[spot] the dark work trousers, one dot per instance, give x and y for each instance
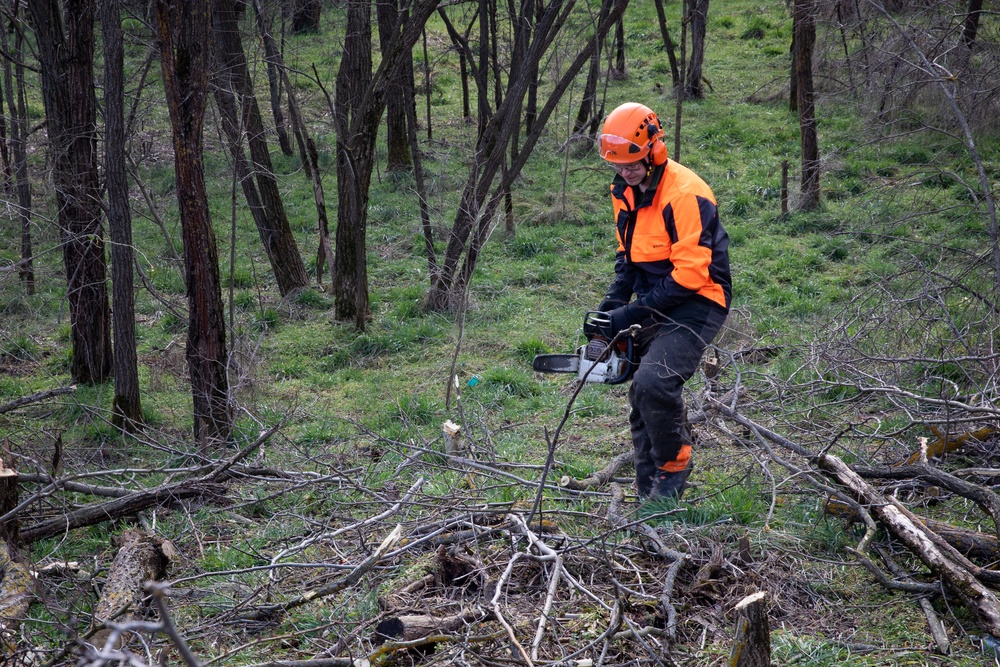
(670, 351)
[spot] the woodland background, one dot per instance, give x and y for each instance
(261, 260)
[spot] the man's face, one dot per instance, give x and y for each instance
(633, 172)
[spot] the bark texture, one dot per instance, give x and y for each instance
(752, 645)
(65, 36)
(140, 558)
(241, 117)
(805, 40)
(184, 39)
(127, 408)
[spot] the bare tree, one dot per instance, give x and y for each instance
(272, 54)
(14, 90)
(698, 18)
(183, 31)
(805, 38)
(360, 103)
(127, 408)
(237, 102)
(65, 33)
(480, 199)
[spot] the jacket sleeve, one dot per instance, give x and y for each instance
(689, 219)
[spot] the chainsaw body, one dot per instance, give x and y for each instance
(598, 360)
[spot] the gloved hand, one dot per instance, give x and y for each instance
(625, 316)
(609, 304)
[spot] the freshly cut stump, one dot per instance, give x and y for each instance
(752, 646)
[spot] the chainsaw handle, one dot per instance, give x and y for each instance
(629, 368)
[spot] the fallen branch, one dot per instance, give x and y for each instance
(351, 578)
(934, 624)
(939, 557)
(35, 398)
(124, 506)
(988, 501)
(599, 478)
(640, 527)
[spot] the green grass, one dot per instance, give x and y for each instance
(362, 405)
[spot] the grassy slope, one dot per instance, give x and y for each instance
(356, 397)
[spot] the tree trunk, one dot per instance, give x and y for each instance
(234, 89)
(310, 161)
(588, 115)
(65, 34)
(679, 97)
(14, 81)
(127, 408)
(398, 145)
(272, 54)
(5, 169)
(970, 26)
(668, 44)
(621, 67)
(793, 85)
(698, 16)
(183, 36)
(361, 101)
(305, 16)
(805, 38)
(418, 171)
(354, 168)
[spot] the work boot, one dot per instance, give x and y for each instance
(670, 484)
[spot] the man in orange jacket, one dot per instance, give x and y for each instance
(673, 256)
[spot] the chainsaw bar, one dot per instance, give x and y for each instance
(556, 363)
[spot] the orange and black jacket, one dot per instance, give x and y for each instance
(671, 246)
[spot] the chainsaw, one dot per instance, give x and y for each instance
(598, 360)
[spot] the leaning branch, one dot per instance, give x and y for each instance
(36, 398)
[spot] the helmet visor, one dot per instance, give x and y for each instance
(616, 149)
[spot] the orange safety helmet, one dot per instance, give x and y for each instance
(630, 133)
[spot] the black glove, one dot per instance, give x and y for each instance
(609, 304)
(625, 316)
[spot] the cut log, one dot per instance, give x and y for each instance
(942, 559)
(141, 557)
(752, 645)
(410, 627)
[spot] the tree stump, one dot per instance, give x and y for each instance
(752, 646)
